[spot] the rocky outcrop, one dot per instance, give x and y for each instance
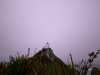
(48, 52)
(95, 71)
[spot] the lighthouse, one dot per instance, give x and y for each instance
(47, 45)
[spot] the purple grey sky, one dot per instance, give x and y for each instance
(68, 26)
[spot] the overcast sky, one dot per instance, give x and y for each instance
(67, 25)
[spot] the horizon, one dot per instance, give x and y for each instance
(97, 65)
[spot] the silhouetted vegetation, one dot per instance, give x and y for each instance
(41, 65)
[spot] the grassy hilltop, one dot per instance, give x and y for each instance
(45, 62)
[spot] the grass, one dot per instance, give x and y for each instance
(41, 65)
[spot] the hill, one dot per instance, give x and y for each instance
(49, 63)
(44, 62)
